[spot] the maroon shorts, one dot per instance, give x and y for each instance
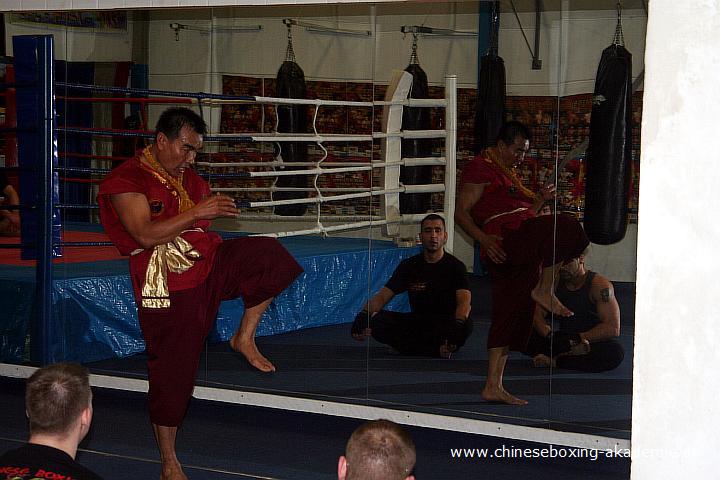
(254, 268)
(539, 242)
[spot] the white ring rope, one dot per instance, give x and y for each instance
(391, 162)
(409, 162)
(407, 219)
(278, 158)
(288, 189)
(410, 102)
(314, 171)
(331, 137)
(428, 188)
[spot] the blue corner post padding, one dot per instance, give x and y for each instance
(37, 145)
(39, 192)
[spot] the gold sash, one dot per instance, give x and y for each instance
(176, 256)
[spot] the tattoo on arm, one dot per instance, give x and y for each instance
(605, 295)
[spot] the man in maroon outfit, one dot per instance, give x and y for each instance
(157, 210)
(523, 251)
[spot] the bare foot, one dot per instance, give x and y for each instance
(360, 337)
(249, 350)
(172, 471)
(541, 360)
(582, 348)
(447, 350)
(500, 395)
(550, 302)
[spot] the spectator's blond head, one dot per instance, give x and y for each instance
(55, 397)
(379, 450)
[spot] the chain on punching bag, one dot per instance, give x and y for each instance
(610, 149)
(291, 119)
(490, 112)
(416, 119)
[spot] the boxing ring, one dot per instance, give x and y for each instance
(80, 306)
(86, 310)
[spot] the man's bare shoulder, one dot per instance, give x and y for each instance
(601, 288)
(601, 281)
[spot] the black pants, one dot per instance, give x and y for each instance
(417, 334)
(603, 356)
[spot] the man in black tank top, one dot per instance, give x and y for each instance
(437, 287)
(586, 340)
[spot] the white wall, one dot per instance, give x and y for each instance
(675, 414)
(571, 44)
(78, 45)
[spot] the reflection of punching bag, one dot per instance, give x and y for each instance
(490, 112)
(609, 152)
(416, 119)
(291, 119)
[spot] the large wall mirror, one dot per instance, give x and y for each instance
(231, 64)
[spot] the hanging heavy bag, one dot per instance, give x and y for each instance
(291, 119)
(416, 119)
(609, 151)
(490, 112)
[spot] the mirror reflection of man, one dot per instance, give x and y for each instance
(437, 287)
(9, 219)
(587, 340)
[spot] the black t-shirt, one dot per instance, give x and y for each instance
(431, 287)
(3, 181)
(39, 461)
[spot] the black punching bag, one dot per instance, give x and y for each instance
(490, 109)
(490, 113)
(416, 119)
(609, 152)
(291, 119)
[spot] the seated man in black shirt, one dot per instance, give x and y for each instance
(584, 341)
(58, 403)
(437, 287)
(9, 219)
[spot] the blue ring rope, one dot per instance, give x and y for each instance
(99, 171)
(207, 138)
(17, 85)
(109, 133)
(86, 244)
(160, 93)
(77, 206)
(104, 171)
(62, 244)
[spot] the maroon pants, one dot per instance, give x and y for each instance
(539, 242)
(254, 268)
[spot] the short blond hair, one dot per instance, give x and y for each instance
(55, 396)
(379, 450)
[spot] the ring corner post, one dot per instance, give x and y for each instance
(450, 157)
(37, 155)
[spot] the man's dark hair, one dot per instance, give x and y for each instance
(432, 216)
(173, 119)
(512, 130)
(55, 396)
(379, 450)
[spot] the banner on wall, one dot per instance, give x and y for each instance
(112, 22)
